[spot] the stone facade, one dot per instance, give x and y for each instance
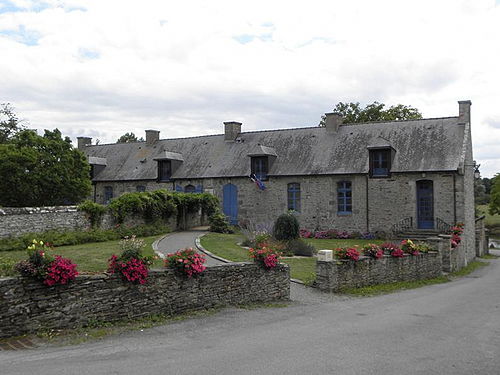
(337, 275)
(27, 305)
(18, 221)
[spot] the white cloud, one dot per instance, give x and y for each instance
(102, 68)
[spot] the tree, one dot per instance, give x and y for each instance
(495, 195)
(129, 137)
(482, 187)
(353, 113)
(9, 123)
(42, 171)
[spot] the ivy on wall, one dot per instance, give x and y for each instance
(153, 205)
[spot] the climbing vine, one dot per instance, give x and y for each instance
(94, 211)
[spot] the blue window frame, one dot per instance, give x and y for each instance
(189, 189)
(344, 197)
(294, 196)
(260, 167)
(108, 194)
(380, 163)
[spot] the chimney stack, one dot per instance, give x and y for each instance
(231, 130)
(333, 121)
(152, 136)
(464, 111)
(83, 142)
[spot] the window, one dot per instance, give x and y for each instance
(189, 189)
(380, 163)
(260, 167)
(164, 170)
(140, 188)
(108, 194)
(294, 197)
(344, 197)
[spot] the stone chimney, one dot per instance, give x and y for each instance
(464, 111)
(83, 142)
(332, 121)
(231, 130)
(152, 136)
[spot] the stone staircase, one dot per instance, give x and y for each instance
(417, 234)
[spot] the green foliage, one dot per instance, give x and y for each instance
(494, 207)
(286, 227)
(128, 138)
(7, 266)
(219, 224)
(131, 247)
(353, 113)
(94, 210)
(60, 238)
(482, 189)
(161, 204)
(45, 171)
(9, 123)
(300, 247)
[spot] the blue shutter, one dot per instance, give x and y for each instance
(198, 189)
(179, 188)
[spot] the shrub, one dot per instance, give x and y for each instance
(397, 253)
(286, 227)
(300, 247)
(218, 223)
(373, 251)
(423, 247)
(262, 238)
(321, 235)
(266, 257)
(131, 265)
(42, 266)
(367, 236)
(389, 247)
(343, 235)
(347, 253)
(186, 262)
(304, 233)
(95, 211)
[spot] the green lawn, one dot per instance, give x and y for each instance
(492, 222)
(90, 257)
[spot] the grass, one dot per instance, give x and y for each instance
(303, 268)
(375, 290)
(90, 257)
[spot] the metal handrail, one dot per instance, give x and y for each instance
(443, 227)
(403, 225)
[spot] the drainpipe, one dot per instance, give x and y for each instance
(367, 208)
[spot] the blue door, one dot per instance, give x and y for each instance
(425, 204)
(230, 203)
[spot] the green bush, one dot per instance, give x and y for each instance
(300, 247)
(218, 223)
(286, 228)
(94, 210)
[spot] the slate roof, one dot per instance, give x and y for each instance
(420, 145)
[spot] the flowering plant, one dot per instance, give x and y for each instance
(373, 251)
(409, 247)
(347, 253)
(186, 262)
(321, 235)
(423, 247)
(389, 247)
(42, 266)
(131, 265)
(397, 253)
(457, 231)
(304, 233)
(343, 235)
(266, 256)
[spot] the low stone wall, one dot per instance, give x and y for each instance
(453, 259)
(481, 238)
(18, 221)
(336, 275)
(27, 305)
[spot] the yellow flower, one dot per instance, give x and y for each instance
(34, 241)
(41, 243)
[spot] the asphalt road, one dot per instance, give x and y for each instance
(451, 328)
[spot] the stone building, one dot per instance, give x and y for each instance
(368, 177)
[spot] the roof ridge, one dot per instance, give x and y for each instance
(391, 121)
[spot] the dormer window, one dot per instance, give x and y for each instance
(380, 162)
(260, 167)
(164, 170)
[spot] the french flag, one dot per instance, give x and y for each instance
(258, 182)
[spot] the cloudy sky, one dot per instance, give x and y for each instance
(101, 68)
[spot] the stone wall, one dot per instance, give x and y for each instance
(336, 275)
(481, 238)
(377, 203)
(27, 305)
(18, 221)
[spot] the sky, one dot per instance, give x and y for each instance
(101, 68)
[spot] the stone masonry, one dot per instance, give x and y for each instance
(27, 305)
